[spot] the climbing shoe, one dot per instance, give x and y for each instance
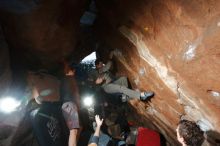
(146, 95)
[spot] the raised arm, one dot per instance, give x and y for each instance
(95, 138)
(99, 124)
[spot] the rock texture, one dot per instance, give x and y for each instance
(5, 70)
(42, 32)
(36, 35)
(172, 48)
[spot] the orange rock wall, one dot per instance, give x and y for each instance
(171, 47)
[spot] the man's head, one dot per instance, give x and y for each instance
(98, 63)
(189, 133)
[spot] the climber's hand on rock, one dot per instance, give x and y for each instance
(99, 80)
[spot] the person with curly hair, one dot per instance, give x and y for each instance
(189, 133)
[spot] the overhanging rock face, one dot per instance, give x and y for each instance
(34, 34)
(41, 32)
(5, 71)
(171, 47)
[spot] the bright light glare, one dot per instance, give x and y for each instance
(88, 101)
(8, 104)
(89, 58)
